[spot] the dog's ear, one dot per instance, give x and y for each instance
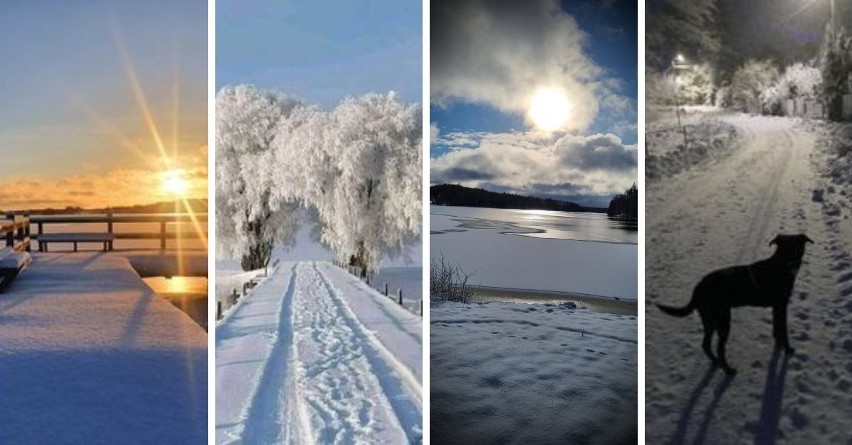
(807, 240)
(775, 240)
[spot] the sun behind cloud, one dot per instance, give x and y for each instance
(549, 109)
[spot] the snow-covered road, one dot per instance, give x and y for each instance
(313, 355)
(725, 212)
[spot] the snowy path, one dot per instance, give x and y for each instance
(315, 356)
(723, 213)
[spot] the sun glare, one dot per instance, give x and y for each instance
(175, 182)
(549, 109)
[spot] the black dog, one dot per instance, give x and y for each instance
(767, 283)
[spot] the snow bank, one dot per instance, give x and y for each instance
(513, 373)
(707, 139)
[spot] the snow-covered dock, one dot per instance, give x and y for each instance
(90, 354)
(314, 355)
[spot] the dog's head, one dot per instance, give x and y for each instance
(791, 248)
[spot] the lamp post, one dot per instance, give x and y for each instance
(833, 22)
(679, 63)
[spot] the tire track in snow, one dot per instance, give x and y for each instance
(405, 405)
(763, 212)
(338, 393)
(269, 406)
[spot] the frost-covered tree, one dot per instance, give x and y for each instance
(749, 83)
(369, 200)
(798, 80)
(355, 169)
(836, 70)
(248, 223)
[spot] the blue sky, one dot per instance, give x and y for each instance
(489, 57)
(68, 111)
(318, 52)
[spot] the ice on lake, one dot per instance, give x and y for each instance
(542, 250)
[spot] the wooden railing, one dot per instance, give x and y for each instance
(109, 234)
(16, 232)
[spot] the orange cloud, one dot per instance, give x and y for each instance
(114, 187)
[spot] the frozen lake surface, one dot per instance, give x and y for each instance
(584, 253)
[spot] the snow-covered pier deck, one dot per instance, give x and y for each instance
(314, 355)
(90, 354)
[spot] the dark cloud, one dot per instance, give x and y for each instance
(601, 152)
(588, 170)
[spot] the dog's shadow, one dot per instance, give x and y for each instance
(773, 395)
(685, 417)
(770, 409)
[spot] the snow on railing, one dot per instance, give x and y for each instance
(16, 231)
(354, 271)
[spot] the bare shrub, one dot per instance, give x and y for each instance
(448, 282)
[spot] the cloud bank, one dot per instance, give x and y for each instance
(587, 170)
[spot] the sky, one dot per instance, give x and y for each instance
(76, 78)
(320, 53)
(490, 61)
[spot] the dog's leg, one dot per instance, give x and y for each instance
(724, 331)
(709, 327)
(779, 328)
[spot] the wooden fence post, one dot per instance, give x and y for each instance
(421, 307)
(386, 289)
(10, 235)
(109, 229)
(163, 234)
(27, 230)
(218, 310)
(40, 233)
(400, 297)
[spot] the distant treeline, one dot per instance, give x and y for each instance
(457, 195)
(195, 205)
(625, 205)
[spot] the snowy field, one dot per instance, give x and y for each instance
(517, 373)
(541, 250)
(313, 355)
(89, 354)
(780, 178)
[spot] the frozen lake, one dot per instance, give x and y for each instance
(584, 253)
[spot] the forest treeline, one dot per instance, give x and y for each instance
(625, 205)
(458, 195)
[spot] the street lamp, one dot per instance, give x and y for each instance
(679, 62)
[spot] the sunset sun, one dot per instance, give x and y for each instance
(174, 182)
(549, 109)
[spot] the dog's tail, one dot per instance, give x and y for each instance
(677, 311)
